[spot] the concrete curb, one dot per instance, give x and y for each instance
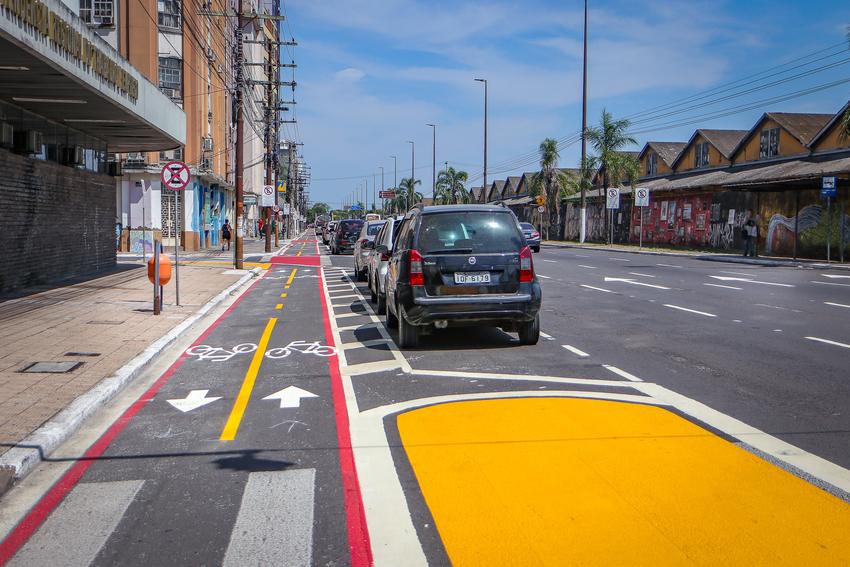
(732, 259)
(19, 461)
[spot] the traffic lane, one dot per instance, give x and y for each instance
(193, 484)
(767, 379)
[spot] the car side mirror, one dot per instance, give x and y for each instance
(369, 245)
(381, 248)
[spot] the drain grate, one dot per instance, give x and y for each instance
(52, 367)
(81, 354)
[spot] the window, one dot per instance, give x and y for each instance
(769, 143)
(97, 12)
(469, 232)
(651, 163)
(170, 73)
(701, 155)
(168, 15)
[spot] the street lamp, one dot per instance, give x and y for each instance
(434, 160)
(382, 187)
(485, 130)
(412, 171)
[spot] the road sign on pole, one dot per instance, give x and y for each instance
(387, 194)
(642, 197)
(175, 175)
(267, 198)
(613, 198)
(828, 187)
(541, 209)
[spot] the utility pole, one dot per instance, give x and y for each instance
(450, 181)
(433, 163)
(240, 140)
(583, 211)
(383, 203)
(412, 173)
(395, 172)
(374, 192)
(268, 135)
(485, 130)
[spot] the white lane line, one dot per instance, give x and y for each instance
(588, 267)
(723, 286)
(575, 351)
(836, 276)
(356, 327)
(703, 313)
(668, 265)
(736, 273)
(335, 297)
(640, 274)
(829, 342)
(597, 288)
(620, 259)
(831, 283)
(547, 336)
(728, 279)
(274, 525)
(551, 261)
(363, 344)
(65, 539)
(836, 304)
(777, 307)
(581, 256)
(633, 282)
(344, 315)
(622, 373)
(544, 277)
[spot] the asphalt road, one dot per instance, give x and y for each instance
(676, 411)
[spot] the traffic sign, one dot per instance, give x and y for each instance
(281, 186)
(540, 200)
(386, 194)
(276, 208)
(541, 209)
(267, 198)
(642, 197)
(175, 175)
(613, 198)
(828, 187)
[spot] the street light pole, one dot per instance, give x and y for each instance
(434, 162)
(412, 172)
(485, 130)
(583, 210)
(382, 187)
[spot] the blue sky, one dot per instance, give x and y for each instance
(372, 73)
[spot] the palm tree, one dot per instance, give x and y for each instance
(608, 139)
(450, 186)
(550, 181)
(397, 203)
(844, 129)
(408, 189)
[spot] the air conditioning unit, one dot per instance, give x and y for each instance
(28, 141)
(75, 155)
(207, 143)
(170, 93)
(7, 135)
(135, 157)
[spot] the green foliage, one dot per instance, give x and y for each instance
(844, 128)
(451, 187)
(608, 140)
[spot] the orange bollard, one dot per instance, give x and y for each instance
(164, 269)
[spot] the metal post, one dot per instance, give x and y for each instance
(583, 211)
(157, 298)
(796, 221)
(240, 141)
(434, 163)
(144, 230)
(828, 227)
(640, 242)
(176, 246)
(383, 201)
(485, 129)
(841, 234)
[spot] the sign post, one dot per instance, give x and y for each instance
(175, 176)
(828, 190)
(641, 200)
(612, 201)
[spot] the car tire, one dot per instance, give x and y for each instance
(392, 320)
(373, 297)
(537, 249)
(382, 303)
(361, 275)
(408, 335)
(529, 332)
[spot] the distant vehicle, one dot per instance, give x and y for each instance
(363, 247)
(461, 265)
(372, 216)
(327, 231)
(376, 263)
(345, 236)
(531, 234)
(320, 224)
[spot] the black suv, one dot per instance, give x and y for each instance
(461, 265)
(345, 236)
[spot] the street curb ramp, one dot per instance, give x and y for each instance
(20, 460)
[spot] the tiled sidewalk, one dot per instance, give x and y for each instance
(103, 322)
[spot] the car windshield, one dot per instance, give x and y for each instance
(373, 228)
(469, 232)
(350, 228)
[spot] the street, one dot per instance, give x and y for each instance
(675, 411)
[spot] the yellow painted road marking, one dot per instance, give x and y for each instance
(283, 294)
(291, 277)
(560, 481)
(232, 425)
(299, 253)
(279, 306)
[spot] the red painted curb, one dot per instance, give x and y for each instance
(44, 507)
(358, 532)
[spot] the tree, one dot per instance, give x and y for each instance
(408, 189)
(450, 186)
(844, 128)
(318, 209)
(608, 139)
(550, 182)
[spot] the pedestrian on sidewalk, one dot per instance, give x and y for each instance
(750, 234)
(225, 234)
(260, 224)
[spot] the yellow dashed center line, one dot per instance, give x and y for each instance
(291, 277)
(279, 306)
(232, 425)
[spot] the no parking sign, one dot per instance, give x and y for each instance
(642, 197)
(613, 198)
(175, 175)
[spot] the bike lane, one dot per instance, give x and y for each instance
(232, 457)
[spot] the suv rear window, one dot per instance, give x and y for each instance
(373, 229)
(350, 227)
(472, 232)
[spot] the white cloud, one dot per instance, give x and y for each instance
(349, 75)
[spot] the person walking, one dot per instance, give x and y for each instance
(225, 234)
(260, 224)
(750, 234)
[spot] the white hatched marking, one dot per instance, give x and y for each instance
(597, 288)
(703, 313)
(622, 373)
(828, 342)
(723, 286)
(576, 351)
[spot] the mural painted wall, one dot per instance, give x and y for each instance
(779, 215)
(675, 220)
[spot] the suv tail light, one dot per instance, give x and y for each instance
(526, 266)
(385, 257)
(416, 275)
(535, 234)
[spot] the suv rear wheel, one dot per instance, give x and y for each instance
(529, 332)
(372, 295)
(392, 320)
(408, 335)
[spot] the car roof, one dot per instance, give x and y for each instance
(435, 209)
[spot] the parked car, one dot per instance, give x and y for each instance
(531, 234)
(376, 264)
(345, 235)
(320, 225)
(461, 265)
(364, 245)
(327, 231)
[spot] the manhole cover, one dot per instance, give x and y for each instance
(52, 367)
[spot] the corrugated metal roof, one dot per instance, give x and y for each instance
(724, 140)
(802, 126)
(668, 151)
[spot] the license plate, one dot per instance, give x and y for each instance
(472, 278)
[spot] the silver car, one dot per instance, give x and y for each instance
(363, 247)
(376, 264)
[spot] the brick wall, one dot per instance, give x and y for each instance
(55, 222)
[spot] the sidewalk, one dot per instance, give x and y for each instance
(733, 258)
(102, 323)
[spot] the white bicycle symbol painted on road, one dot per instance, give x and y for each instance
(221, 354)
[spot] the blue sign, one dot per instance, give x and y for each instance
(356, 208)
(828, 187)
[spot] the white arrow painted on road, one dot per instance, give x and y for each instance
(194, 400)
(728, 279)
(834, 276)
(290, 397)
(633, 282)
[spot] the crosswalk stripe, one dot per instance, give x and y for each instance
(275, 521)
(80, 526)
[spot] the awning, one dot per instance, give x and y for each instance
(52, 65)
(517, 201)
